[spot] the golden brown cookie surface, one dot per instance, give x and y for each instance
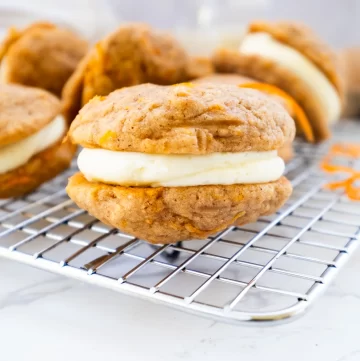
(39, 169)
(133, 54)
(223, 78)
(167, 215)
(73, 90)
(183, 119)
(24, 111)
(302, 38)
(198, 67)
(42, 56)
(14, 34)
(285, 152)
(350, 63)
(268, 71)
(235, 79)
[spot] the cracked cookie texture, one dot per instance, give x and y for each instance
(183, 119)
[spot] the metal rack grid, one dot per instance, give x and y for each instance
(272, 269)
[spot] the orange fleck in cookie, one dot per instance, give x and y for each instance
(133, 54)
(31, 148)
(286, 152)
(170, 163)
(42, 55)
(240, 80)
(291, 57)
(185, 118)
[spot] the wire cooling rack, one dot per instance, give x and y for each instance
(272, 269)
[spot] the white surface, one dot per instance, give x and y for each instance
(168, 170)
(47, 317)
(321, 88)
(16, 154)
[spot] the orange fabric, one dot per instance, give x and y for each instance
(300, 116)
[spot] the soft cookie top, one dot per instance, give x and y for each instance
(133, 54)
(303, 39)
(42, 55)
(24, 111)
(183, 119)
(240, 80)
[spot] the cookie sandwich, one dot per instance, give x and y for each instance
(171, 163)
(32, 150)
(41, 55)
(291, 57)
(132, 55)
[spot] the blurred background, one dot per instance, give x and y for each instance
(201, 24)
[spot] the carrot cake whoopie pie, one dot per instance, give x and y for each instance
(133, 54)
(290, 56)
(171, 163)
(41, 55)
(31, 148)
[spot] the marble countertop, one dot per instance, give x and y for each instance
(48, 317)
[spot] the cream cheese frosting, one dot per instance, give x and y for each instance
(154, 170)
(17, 154)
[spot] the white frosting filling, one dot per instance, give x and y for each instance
(16, 154)
(139, 169)
(265, 45)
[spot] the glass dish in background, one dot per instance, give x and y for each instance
(213, 23)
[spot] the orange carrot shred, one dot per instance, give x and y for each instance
(345, 150)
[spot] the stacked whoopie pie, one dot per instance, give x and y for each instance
(291, 57)
(31, 147)
(170, 163)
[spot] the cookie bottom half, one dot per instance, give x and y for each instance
(39, 169)
(170, 214)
